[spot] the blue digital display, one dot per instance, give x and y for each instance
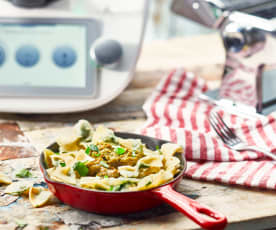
(43, 55)
(48, 57)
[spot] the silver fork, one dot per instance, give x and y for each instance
(231, 139)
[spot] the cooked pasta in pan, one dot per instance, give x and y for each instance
(99, 160)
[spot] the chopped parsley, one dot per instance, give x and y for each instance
(105, 176)
(121, 186)
(20, 224)
(158, 149)
(97, 154)
(142, 165)
(118, 187)
(111, 138)
(81, 168)
(149, 183)
(84, 131)
(24, 173)
(120, 150)
(44, 228)
(20, 190)
(137, 147)
(104, 164)
(92, 148)
(62, 164)
(87, 150)
(57, 153)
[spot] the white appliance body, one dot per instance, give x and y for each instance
(119, 23)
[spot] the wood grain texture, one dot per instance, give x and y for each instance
(245, 208)
(127, 106)
(13, 142)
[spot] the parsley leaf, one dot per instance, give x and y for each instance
(84, 131)
(81, 168)
(158, 149)
(121, 186)
(118, 187)
(20, 224)
(24, 173)
(44, 228)
(104, 164)
(120, 150)
(147, 184)
(97, 154)
(62, 164)
(143, 166)
(87, 150)
(105, 176)
(94, 148)
(111, 138)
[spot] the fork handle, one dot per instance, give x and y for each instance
(264, 151)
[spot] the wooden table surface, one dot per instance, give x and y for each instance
(245, 208)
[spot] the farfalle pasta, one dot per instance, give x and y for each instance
(97, 159)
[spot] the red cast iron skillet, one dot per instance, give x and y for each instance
(105, 202)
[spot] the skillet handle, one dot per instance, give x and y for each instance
(191, 208)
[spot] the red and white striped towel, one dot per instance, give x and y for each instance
(176, 114)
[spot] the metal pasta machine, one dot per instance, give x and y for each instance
(248, 29)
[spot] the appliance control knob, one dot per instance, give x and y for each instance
(107, 52)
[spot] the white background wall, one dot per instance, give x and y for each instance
(163, 24)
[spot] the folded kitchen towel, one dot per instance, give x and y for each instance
(175, 113)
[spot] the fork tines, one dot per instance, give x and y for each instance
(224, 132)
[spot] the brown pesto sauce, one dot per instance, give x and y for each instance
(111, 160)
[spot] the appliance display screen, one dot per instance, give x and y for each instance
(43, 55)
